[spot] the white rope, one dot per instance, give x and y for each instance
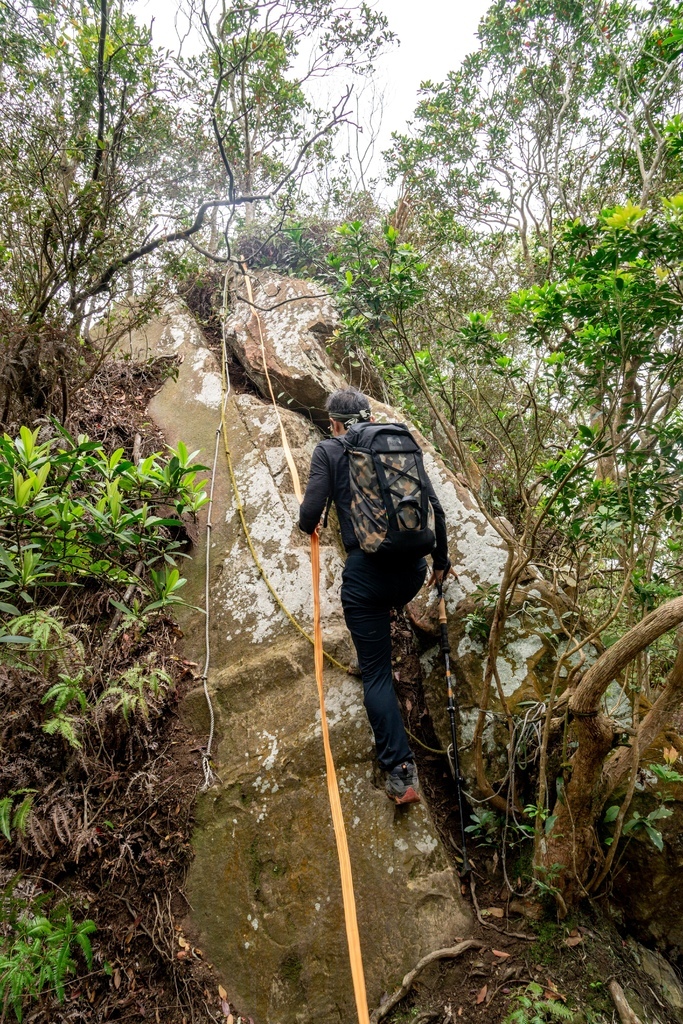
(523, 730)
(209, 774)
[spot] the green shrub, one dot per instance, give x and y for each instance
(71, 514)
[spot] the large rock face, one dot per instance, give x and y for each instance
(264, 886)
(296, 359)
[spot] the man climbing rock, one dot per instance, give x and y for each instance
(389, 517)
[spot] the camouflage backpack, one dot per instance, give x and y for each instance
(390, 508)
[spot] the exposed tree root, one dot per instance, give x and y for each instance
(626, 1014)
(450, 953)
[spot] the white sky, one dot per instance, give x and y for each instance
(434, 37)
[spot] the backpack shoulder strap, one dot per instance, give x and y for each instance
(326, 514)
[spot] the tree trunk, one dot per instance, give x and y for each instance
(618, 767)
(571, 843)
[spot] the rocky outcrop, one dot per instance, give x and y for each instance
(264, 886)
(297, 319)
(526, 661)
(476, 549)
(662, 976)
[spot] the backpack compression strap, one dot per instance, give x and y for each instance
(392, 507)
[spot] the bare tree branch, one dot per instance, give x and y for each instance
(101, 98)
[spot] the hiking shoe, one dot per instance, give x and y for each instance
(402, 784)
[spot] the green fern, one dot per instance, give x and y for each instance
(46, 641)
(531, 1008)
(64, 692)
(5, 817)
(15, 817)
(21, 813)
(136, 688)
(66, 726)
(558, 1010)
(37, 950)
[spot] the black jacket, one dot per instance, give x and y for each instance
(329, 477)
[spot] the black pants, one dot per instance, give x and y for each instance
(370, 589)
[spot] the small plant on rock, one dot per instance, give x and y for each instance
(485, 827)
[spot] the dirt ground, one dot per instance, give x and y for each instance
(110, 831)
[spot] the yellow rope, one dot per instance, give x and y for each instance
(257, 562)
(348, 897)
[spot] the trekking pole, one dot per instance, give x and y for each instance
(459, 780)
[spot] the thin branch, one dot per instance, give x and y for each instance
(174, 236)
(101, 99)
(285, 302)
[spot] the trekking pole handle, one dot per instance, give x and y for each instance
(443, 620)
(442, 601)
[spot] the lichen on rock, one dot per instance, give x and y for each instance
(264, 886)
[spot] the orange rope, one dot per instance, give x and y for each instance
(352, 935)
(351, 920)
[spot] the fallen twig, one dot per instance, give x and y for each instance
(490, 924)
(626, 1014)
(439, 954)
